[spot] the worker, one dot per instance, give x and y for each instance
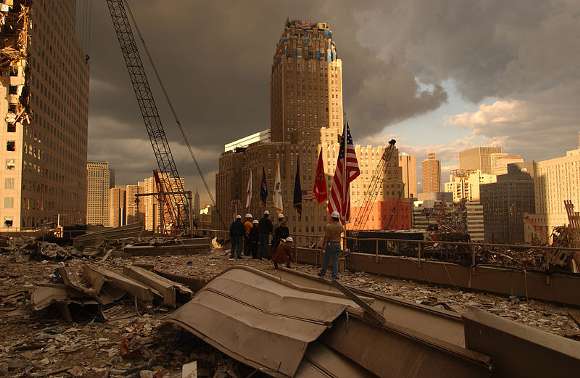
(236, 235)
(264, 229)
(280, 232)
(254, 238)
(247, 228)
(331, 244)
(283, 253)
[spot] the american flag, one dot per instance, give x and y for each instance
(339, 193)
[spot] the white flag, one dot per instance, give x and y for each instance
(277, 196)
(249, 191)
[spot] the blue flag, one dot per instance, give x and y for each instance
(264, 188)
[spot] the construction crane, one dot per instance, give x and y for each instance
(175, 196)
(374, 187)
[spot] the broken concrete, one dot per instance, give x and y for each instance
(169, 290)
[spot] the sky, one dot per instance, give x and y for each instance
(437, 75)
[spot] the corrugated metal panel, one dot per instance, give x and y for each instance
(258, 320)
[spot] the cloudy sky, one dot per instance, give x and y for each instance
(438, 75)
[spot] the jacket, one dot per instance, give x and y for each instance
(237, 229)
(265, 226)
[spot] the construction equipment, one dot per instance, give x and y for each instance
(374, 187)
(151, 118)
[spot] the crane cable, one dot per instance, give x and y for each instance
(177, 121)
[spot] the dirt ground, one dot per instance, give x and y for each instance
(133, 342)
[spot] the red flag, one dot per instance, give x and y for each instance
(319, 190)
(346, 171)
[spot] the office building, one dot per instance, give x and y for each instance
(43, 110)
(150, 208)
(478, 158)
(464, 185)
(475, 222)
(98, 185)
(431, 174)
(506, 201)
(117, 207)
(555, 181)
(500, 162)
(408, 164)
(134, 212)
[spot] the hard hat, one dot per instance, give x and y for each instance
(238, 216)
(280, 216)
(289, 239)
(255, 221)
(335, 215)
(249, 215)
(266, 212)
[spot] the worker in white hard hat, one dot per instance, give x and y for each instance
(254, 239)
(265, 228)
(283, 253)
(280, 232)
(236, 235)
(331, 244)
(247, 228)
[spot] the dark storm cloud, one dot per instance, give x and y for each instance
(215, 58)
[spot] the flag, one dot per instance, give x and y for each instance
(319, 190)
(249, 191)
(346, 171)
(277, 195)
(264, 188)
(298, 190)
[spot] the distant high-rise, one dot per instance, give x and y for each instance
(117, 216)
(408, 165)
(465, 185)
(478, 158)
(196, 204)
(431, 174)
(44, 88)
(98, 184)
(132, 208)
(500, 162)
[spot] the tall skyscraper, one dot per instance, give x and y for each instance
(98, 185)
(478, 158)
(306, 84)
(465, 185)
(44, 89)
(408, 164)
(431, 174)
(132, 208)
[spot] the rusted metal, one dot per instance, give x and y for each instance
(369, 311)
(95, 238)
(518, 350)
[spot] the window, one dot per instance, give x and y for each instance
(8, 221)
(10, 164)
(11, 145)
(9, 183)
(8, 202)
(11, 128)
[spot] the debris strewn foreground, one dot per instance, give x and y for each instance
(122, 335)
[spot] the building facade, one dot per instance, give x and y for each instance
(478, 158)
(98, 185)
(306, 119)
(134, 212)
(500, 162)
(43, 133)
(465, 185)
(505, 203)
(431, 174)
(117, 207)
(557, 180)
(475, 222)
(408, 164)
